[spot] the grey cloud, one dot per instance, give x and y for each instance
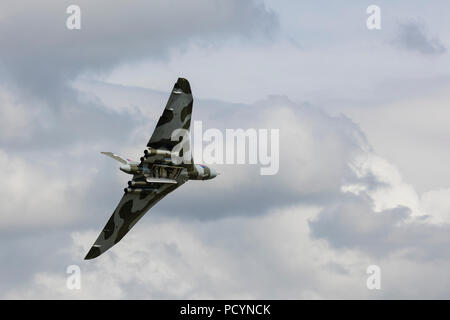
(241, 248)
(352, 223)
(306, 177)
(42, 55)
(32, 252)
(414, 36)
(41, 58)
(306, 135)
(232, 258)
(315, 152)
(73, 124)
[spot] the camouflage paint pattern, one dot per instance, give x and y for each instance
(155, 165)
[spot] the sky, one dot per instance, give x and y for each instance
(363, 176)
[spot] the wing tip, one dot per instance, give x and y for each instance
(93, 253)
(184, 85)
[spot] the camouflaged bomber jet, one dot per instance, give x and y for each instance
(156, 175)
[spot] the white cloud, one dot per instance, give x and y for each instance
(437, 204)
(270, 253)
(271, 256)
(113, 33)
(336, 206)
(390, 190)
(14, 117)
(35, 196)
(268, 257)
(411, 133)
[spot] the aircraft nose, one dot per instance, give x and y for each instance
(213, 173)
(125, 168)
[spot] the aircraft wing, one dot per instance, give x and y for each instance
(116, 157)
(176, 115)
(130, 209)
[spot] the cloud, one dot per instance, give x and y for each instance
(33, 196)
(335, 207)
(15, 118)
(314, 151)
(269, 257)
(40, 61)
(414, 36)
(246, 258)
(336, 196)
(31, 125)
(385, 215)
(309, 231)
(42, 55)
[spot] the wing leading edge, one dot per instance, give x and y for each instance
(133, 205)
(176, 115)
(130, 209)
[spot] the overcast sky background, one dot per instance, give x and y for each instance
(363, 118)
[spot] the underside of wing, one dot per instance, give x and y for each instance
(133, 205)
(156, 176)
(176, 115)
(116, 157)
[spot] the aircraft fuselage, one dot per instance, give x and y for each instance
(191, 172)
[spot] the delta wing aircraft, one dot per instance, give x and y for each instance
(157, 174)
